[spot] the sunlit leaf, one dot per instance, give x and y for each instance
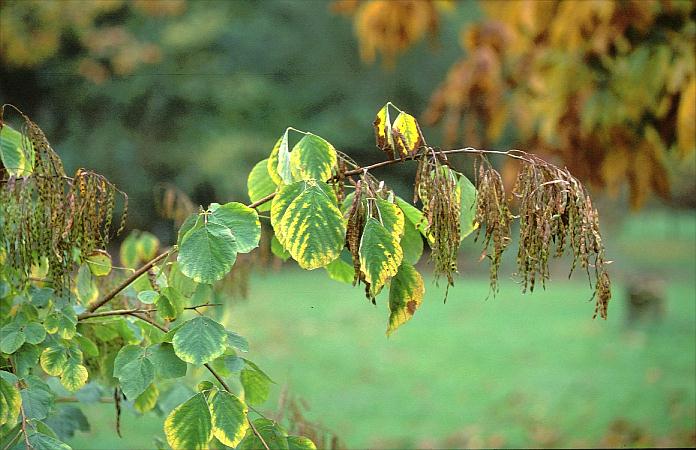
(313, 158)
(260, 184)
(189, 425)
(279, 161)
(407, 135)
(312, 227)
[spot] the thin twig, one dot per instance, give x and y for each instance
(127, 282)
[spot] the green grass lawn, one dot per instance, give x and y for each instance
(515, 370)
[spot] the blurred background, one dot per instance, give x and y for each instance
(194, 93)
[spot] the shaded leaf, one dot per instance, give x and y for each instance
(380, 254)
(256, 383)
(242, 221)
(207, 252)
(200, 340)
(147, 399)
(167, 364)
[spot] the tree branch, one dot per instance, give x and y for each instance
(108, 297)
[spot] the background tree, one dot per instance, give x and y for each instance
(609, 87)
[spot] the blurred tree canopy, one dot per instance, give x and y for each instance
(152, 91)
(608, 86)
(186, 92)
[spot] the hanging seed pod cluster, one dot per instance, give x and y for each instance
(49, 219)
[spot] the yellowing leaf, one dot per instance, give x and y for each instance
(407, 135)
(686, 120)
(405, 296)
(313, 158)
(74, 376)
(383, 131)
(229, 418)
(312, 227)
(380, 254)
(189, 426)
(279, 161)
(147, 399)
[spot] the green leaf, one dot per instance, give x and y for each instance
(411, 243)
(278, 250)
(26, 358)
(37, 399)
(99, 263)
(229, 418)
(125, 356)
(189, 425)
(86, 289)
(62, 322)
(16, 160)
(40, 441)
(200, 340)
(242, 221)
(341, 269)
(313, 227)
(407, 135)
(10, 402)
(237, 341)
(74, 376)
(170, 303)
(415, 216)
(468, 193)
(183, 284)
(167, 364)
(207, 252)
(66, 420)
(256, 383)
(53, 360)
(35, 333)
(405, 296)
(260, 184)
(147, 400)
(391, 216)
(134, 370)
(300, 443)
(86, 345)
(148, 297)
(279, 161)
(313, 158)
(13, 337)
(136, 376)
(273, 435)
(380, 254)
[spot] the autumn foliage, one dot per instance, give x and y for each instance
(609, 87)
